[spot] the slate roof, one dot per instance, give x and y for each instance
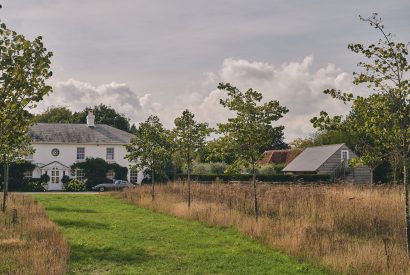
(78, 133)
(312, 158)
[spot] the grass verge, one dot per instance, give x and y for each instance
(107, 235)
(29, 241)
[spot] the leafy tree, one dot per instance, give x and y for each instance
(384, 116)
(55, 115)
(250, 132)
(189, 139)
(104, 115)
(95, 170)
(24, 69)
(150, 148)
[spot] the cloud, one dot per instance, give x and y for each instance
(295, 84)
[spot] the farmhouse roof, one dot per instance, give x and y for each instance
(312, 158)
(275, 156)
(78, 133)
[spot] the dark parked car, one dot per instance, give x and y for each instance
(116, 185)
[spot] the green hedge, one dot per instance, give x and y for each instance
(265, 178)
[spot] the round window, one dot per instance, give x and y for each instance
(55, 152)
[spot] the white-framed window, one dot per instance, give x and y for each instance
(110, 174)
(344, 155)
(110, 154)
(79, 174)
(133, 176)
(80, 153)
(55, 175)
(28, 174)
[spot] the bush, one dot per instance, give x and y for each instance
(264, 178)
(65, 180)
(270, 169)
(75, 185)
(33, 185)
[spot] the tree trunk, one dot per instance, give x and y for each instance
(5, 187)
(189, 186)
(406, 202)
(371, 176)
(153, 184)
(255, 197)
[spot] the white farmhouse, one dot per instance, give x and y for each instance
(57, 146)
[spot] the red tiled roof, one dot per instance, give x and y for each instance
(275, 156)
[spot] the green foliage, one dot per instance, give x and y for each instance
(250, 132)
(150, 147)
(270, 169)
(16, 174)
(95, 170)
(55, 115)
(33, 185)
(189, 137)
(64, 180)
(24, 70)
(75, 185)
(104, 115)
(44, 178)
(265, 178)
(104, 231)
(381, 121)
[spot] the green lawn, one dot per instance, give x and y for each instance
(107, 235)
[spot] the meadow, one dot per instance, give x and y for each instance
(349, 229)
(107, 235)
(29, 242)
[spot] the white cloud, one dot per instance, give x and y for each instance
(296, 85)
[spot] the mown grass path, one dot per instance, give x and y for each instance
(107, 235)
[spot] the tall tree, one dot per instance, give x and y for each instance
(24, 69)
(150, 148)
(189, 139)
(55, 115)
(251, 130)
(104, 115)
(385, 115)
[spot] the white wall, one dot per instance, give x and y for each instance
(68, 156)
(68, 153)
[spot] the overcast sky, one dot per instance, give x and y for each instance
(161, 57)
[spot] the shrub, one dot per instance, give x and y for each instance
(33, 185)
(65, 180)
(270, 169)
(265, 178)
(75, 185)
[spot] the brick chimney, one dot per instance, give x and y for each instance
(90, 119)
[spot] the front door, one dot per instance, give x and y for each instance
(55, 179)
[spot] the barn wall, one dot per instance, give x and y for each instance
(331, 163)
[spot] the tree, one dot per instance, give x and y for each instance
(189, 139)
(384, 116)
(104, 115)
(55, 115)
(251, 131)
(24, 69)
(150, 148)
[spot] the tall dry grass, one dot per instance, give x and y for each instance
(29, 241)
(349, 229)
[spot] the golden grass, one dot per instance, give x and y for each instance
(349, 229)
(29, 241)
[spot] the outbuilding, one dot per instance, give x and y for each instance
(331, 160)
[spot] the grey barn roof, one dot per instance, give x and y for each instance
(78, 133)
(312, 158)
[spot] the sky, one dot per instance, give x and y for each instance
(162, 57)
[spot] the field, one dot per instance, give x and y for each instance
(108, 235)
(29, 242)
(349, 229)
